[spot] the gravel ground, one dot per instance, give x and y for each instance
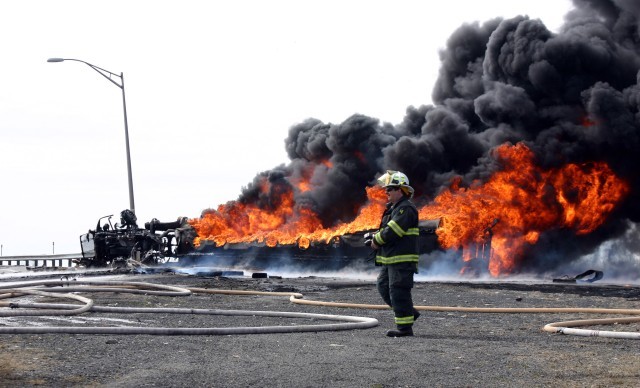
(450, 349)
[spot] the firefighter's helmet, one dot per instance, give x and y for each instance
(396, 179)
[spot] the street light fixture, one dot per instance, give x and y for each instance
(108, 75)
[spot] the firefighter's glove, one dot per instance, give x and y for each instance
(368, 239)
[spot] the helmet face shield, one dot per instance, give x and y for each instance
(384, 179)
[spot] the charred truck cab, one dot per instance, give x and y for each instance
(117, 244)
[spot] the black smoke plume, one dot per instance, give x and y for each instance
(502, 81)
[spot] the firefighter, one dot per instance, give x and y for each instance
(396, 245)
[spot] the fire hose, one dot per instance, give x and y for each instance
(32, 309)
(565, 327)
(556, 327)
(352, 322)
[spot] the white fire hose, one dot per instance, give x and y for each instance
(25, 288)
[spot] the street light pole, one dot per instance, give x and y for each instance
(108, 75)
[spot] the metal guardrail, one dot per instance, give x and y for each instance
(41, 261)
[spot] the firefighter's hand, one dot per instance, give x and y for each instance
(374, 246)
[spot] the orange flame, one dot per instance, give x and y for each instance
(236, 223)
(303, 182)
(527, 201)
(304, 185)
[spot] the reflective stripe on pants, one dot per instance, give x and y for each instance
(394, 285)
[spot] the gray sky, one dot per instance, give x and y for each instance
(212, 88)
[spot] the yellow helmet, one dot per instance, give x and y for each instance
(396, 179)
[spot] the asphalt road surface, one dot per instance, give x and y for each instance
(450, 349)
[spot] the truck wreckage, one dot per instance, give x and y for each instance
(126, 243)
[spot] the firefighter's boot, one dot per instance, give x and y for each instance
(403, 331)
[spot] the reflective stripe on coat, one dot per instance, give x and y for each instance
(398, 234)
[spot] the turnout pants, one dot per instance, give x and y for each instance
(395, 282)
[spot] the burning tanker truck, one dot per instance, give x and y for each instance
(125, 243)
(332, 253)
